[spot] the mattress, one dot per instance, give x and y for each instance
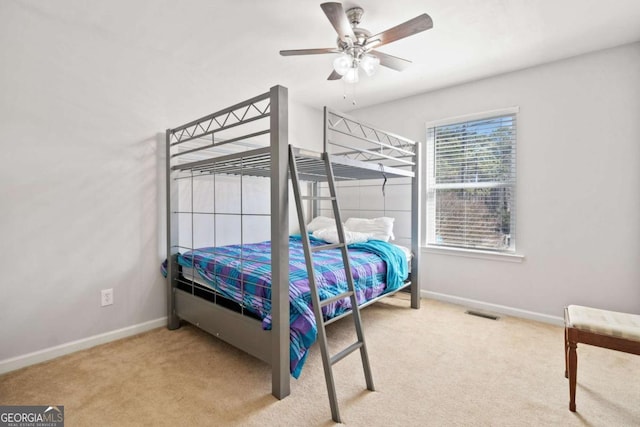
(242, 274)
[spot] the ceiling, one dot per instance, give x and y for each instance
(236, 43)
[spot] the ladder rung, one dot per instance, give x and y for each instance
(325, 247)
(336, 298)
(317, 198)
(344, 353)
(335, 319)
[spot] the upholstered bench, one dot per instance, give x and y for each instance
(602, 328)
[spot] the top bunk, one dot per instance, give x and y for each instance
(248, 138)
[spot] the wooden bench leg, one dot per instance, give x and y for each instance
(572, 361)
(566, 352)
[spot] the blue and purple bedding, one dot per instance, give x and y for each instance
(242, 273)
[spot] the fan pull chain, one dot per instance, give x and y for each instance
(345, 92)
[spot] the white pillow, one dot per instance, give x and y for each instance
(321, 222)
(330, 235)
(381, 228)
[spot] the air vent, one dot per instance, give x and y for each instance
(483, 315)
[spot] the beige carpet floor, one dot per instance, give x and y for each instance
(432, 367)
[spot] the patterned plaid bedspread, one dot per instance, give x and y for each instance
(242, 273)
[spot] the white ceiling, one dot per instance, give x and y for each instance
(236, 43)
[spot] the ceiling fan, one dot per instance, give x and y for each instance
(356, 45)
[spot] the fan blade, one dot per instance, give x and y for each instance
(334, 76)
(391, 61)
(413, 26)
(338, 19)
(309, 51)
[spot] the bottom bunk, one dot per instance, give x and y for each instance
(227, 290)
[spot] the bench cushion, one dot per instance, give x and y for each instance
(604, 322)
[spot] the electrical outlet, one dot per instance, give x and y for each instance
(106, 297)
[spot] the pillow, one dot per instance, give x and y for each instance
(321, 222)
(381, 228)
(330, 235)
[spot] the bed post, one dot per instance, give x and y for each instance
(314, 206)
(280, 377)
(172, 239)
(416, 221)
(325, 131)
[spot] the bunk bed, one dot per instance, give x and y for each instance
(248, 141)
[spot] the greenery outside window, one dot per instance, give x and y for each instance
(471, 177)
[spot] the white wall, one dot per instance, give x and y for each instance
(578, 183)
(82, 116)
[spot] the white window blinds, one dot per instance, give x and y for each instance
(471, 184)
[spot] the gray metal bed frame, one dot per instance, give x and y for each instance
(243, 332)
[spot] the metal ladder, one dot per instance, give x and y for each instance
(327, 360)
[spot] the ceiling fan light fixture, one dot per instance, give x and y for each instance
(355, 44)
(369, 64)
(342, 64)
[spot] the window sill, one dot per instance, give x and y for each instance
(472, 253)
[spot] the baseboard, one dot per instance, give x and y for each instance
(495, 308)
(39, 356)
(18, 362)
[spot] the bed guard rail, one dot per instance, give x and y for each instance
(350, 138)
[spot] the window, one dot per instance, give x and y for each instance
(471, 176)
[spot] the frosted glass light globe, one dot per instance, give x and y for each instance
(369, 64)
(342, 64)
(351, 76)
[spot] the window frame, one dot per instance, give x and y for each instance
(429, 223)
